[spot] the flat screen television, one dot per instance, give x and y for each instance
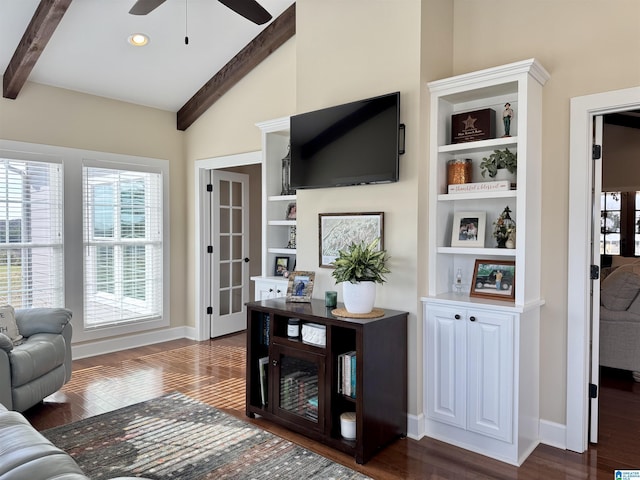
(351, 144)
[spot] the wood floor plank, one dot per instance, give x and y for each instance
(213, 372)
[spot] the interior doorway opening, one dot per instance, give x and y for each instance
(584, 111)
(249, 163)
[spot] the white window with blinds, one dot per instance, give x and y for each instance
(88, 231)
(31, 233)
(123, 245)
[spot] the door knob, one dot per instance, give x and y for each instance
(246, 259)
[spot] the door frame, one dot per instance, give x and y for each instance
(202, 280)
(583, 111)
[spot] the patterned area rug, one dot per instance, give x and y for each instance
(175, 436)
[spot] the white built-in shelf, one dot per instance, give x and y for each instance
(283, 223)
(450, 197)
(282, 198)
(282, 251)
(495, 143)
(494, 252)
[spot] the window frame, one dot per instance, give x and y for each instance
(123, 237)
(628, 227)
(50, 160)
(73, 161)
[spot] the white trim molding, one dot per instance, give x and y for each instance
(100, 347)
(202, 327)
(583, 111)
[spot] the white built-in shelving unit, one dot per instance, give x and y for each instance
(275, 226)
(481, 355)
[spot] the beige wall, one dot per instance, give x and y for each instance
(54, 116)
(588, 47)
(349, 50)
(343, 58)
(229, 127)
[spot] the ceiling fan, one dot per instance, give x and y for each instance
(249, 9)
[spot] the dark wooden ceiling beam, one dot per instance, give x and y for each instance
(44, 22)
(272, 37)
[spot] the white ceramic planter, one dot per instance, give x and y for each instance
(359, 297)
(504, 174)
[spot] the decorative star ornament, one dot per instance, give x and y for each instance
(469, 123)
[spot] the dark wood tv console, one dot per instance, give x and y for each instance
(302, 385)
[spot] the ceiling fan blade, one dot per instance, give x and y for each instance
(249, 9)
(142, 7)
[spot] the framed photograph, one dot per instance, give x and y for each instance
(338, 230)
(282, 265)
(494, 279)
(292, 211)
(300, 286)
(468, 229)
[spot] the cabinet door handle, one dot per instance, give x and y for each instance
(457, 316)
(270, 290)
(274, 363)
(472, 318)
(278, 291)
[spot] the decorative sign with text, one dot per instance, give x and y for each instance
(498, 186)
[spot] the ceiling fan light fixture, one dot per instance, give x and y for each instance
(138, 39)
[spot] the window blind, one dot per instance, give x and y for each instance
(31, 234)
(123, 248)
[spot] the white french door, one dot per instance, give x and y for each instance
(228, 248)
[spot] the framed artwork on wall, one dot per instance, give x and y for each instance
(338, 230)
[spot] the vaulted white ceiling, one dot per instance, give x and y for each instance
(89, 51)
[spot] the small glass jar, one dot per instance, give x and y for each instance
(293, 328)
(459, 171)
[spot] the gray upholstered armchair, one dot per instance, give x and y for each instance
(39, 366)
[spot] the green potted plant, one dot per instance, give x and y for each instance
(359, 267)
(499, 160)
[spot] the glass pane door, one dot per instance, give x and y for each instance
(299, 376)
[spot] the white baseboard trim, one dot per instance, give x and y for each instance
(100, 347)
(415, 426)
(553, 434)
(549, 433)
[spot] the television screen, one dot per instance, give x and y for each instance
(351, 144)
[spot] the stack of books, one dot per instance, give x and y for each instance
(347, 374)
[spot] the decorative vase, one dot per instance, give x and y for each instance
(359, 297)
(502, 242)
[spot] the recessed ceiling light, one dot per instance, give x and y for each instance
(138, 39)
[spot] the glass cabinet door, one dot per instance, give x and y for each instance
(299, 385)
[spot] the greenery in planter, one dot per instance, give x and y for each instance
(497, 160)
(361, 263)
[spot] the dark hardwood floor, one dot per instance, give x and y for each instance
(213, 372)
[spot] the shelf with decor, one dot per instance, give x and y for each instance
(482, 298)
(278, 219)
